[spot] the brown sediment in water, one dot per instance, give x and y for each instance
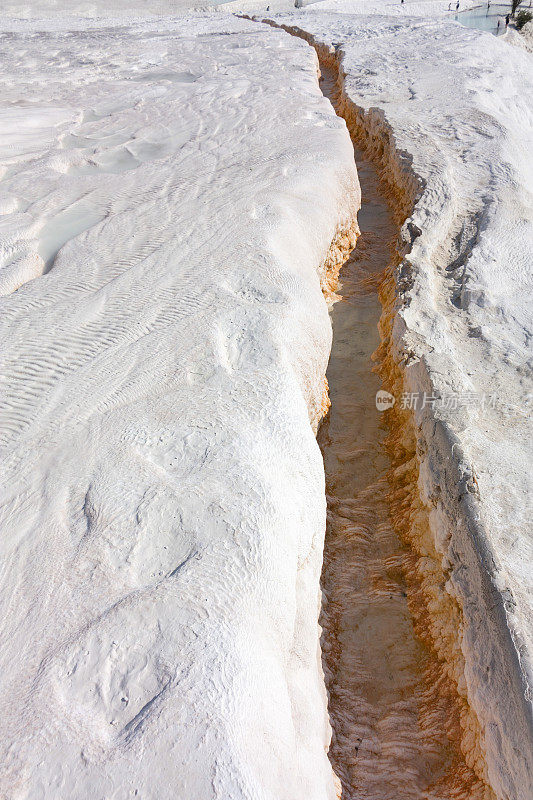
(392, 628)
(392, 633)
(398, 719)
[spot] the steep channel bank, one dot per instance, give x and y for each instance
(395, 714)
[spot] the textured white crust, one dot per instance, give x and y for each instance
(163, 503)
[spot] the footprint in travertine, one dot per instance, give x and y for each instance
(106, 685)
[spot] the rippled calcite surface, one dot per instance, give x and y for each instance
(171, 189)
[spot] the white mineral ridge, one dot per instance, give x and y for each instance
(169, 191)
(458, 105)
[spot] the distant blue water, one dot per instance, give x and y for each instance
(485, 19)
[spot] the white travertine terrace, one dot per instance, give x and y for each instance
(170, 193)
(176, 197)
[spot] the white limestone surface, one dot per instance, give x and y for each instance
(169, 191)
(453, 109)
(94, 9)
(430, 9)
(522, 38)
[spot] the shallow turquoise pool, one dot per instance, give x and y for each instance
(485, 19)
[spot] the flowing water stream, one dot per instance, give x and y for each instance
(389, 731)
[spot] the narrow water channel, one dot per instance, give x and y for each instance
(389, 735)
